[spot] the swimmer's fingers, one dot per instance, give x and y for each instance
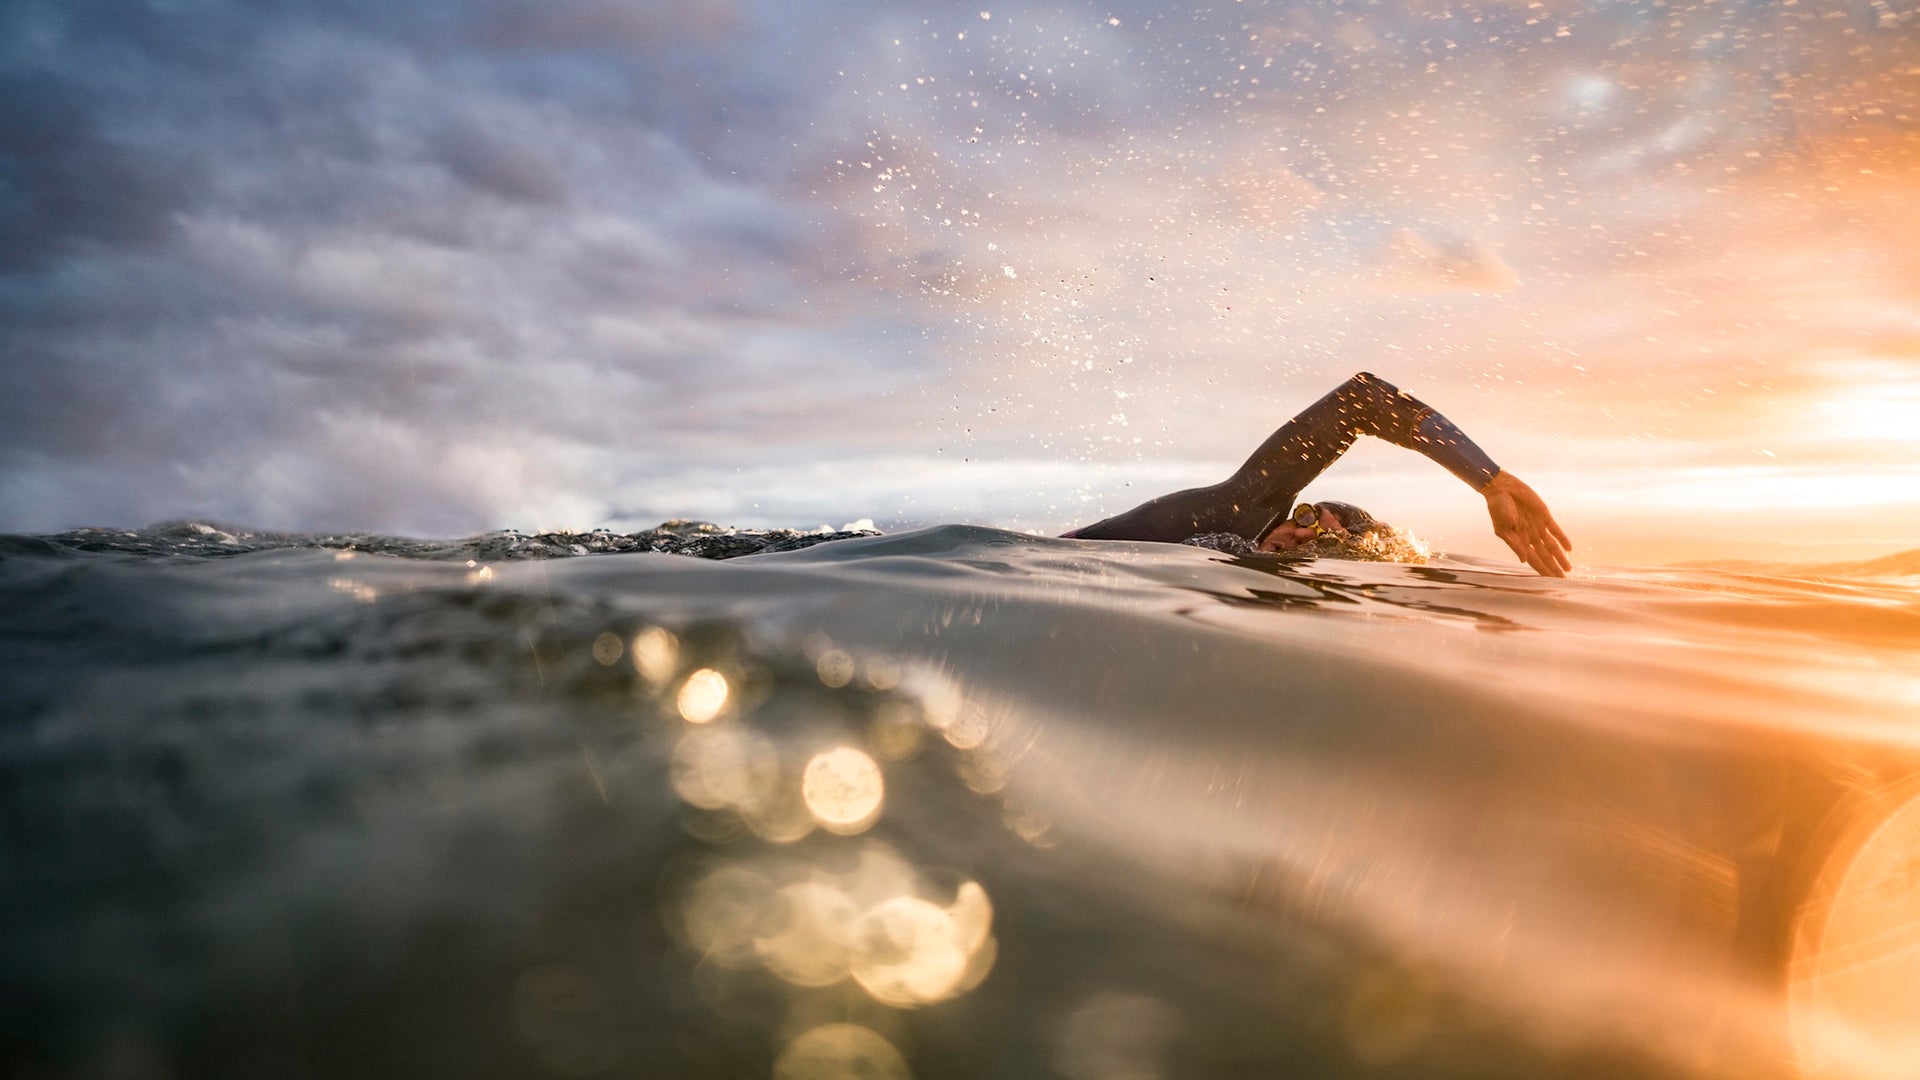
(1538, 555)
(1546, 541)
(1550, 537)
(1521, 519)
(1549, 543)
(1559, 533)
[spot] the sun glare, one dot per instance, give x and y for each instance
(1878, 402)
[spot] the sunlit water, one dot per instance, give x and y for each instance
(951, 803)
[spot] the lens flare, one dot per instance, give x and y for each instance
(1856, 964)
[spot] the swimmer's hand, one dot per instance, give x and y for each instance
(1521, 518)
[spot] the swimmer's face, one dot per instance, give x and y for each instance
(1286, 535)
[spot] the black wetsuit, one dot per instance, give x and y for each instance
(1254, 499)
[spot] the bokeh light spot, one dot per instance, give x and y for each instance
(716, 768)
(835, 668)
(725, 911)
(909, 952)
(703, 696)
(656, 655)
(607, 648)
(840, 1052)
(815, 942)
(895, 732)
(843, 789)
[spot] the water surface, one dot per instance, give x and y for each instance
(957, 802)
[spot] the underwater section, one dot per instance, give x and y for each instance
(946, 803)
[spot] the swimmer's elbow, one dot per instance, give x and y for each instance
(1369, 379)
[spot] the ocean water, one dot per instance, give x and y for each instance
(949, 803)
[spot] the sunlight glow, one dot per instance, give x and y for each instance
(1878, 402)
(1857, 957)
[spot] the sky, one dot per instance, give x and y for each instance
(441, 268)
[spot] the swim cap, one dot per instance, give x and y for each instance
(1352, 518)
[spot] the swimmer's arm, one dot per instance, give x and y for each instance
(1380, 409)
(1521, 518)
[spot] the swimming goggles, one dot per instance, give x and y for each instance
(1307, 516)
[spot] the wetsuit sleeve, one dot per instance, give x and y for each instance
(1364, 405)
(1262, 490)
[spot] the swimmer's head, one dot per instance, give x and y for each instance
(1352, 518)
(1337, 521)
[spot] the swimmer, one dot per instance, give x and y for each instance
(1254, 502)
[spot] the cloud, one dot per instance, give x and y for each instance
(66, 184)
(608, 24)
(1411, 262)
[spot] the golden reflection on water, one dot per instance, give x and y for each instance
(984, 773)
(1856, 965)
(812, 928)
(814, 946)
(360, 591)
(881, 673)
(1028, 824)
(840, 1052)
(895, 731)
(910, 952)
(656, 655)
(836, 912)
(719, 768)
(725, 911)
(784, 818)
(702, 696)
(843, 790)
(835, 668)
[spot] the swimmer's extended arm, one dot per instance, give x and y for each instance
(1363, 405)
(1521, 518)
(1370, 405)
(1251, 501)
